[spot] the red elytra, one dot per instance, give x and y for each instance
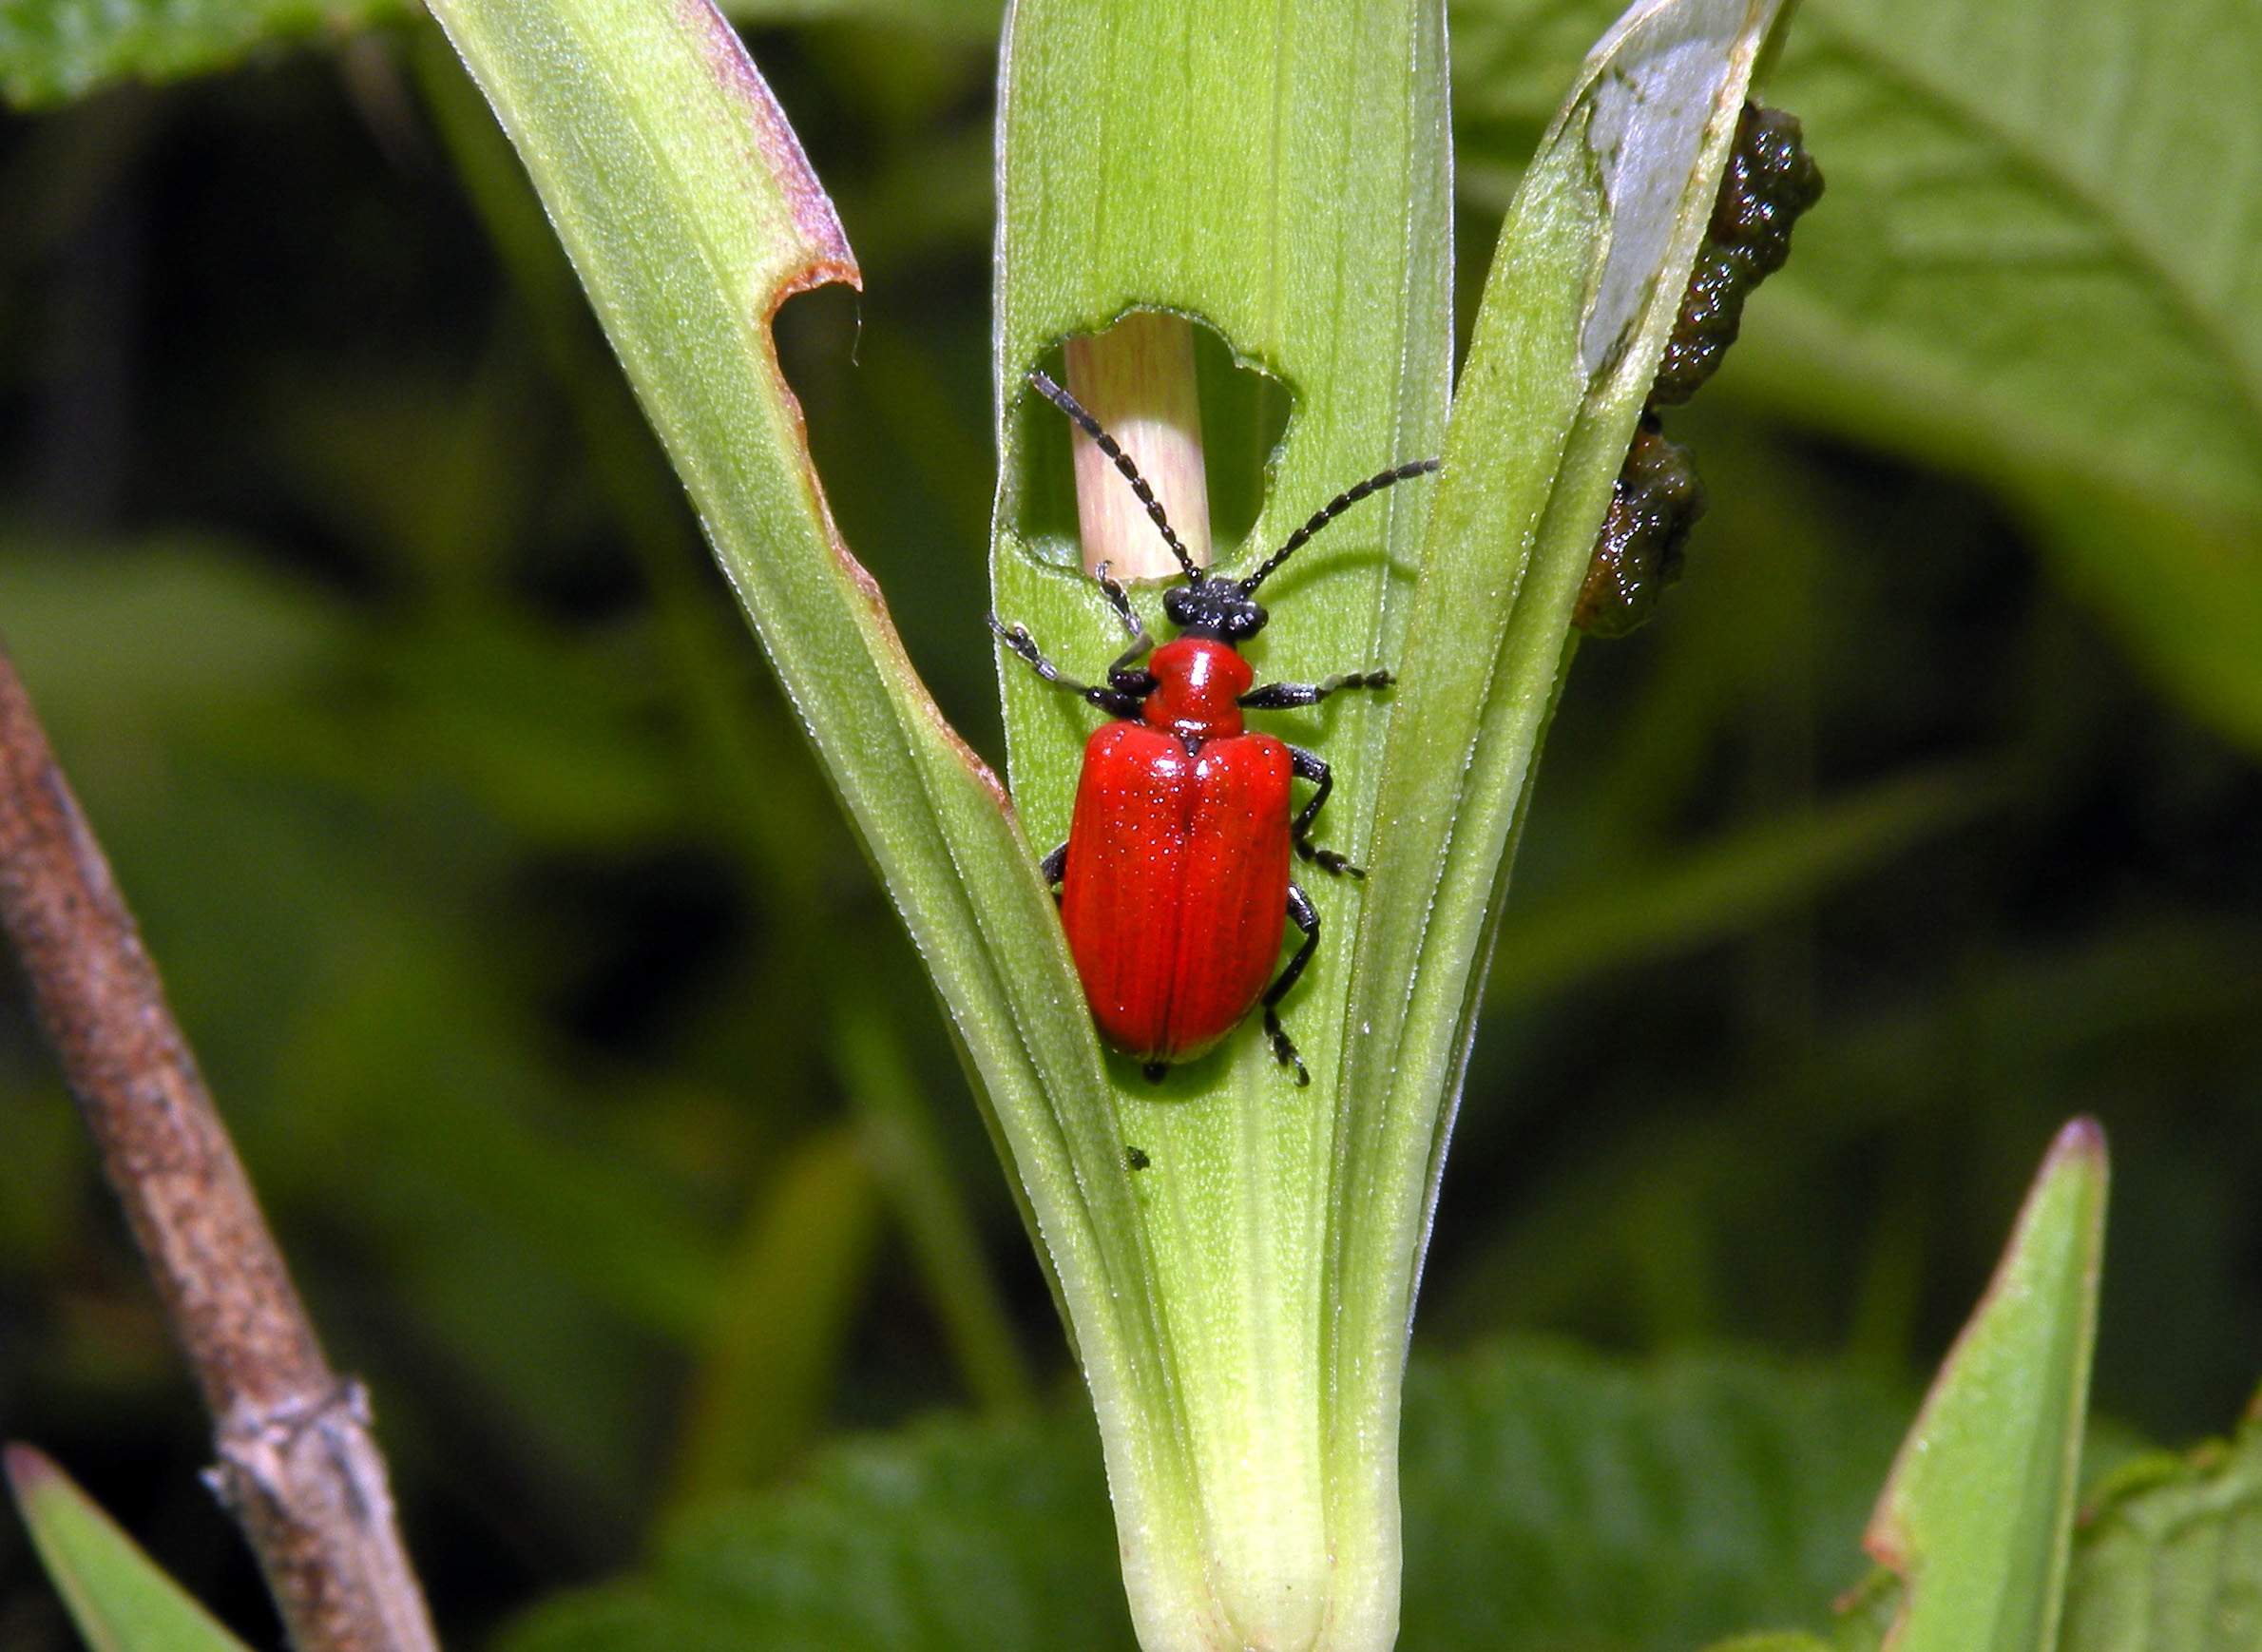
(1175, 893)
(1175, 886)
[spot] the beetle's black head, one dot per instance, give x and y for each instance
(1223, 608)
(1214, 608)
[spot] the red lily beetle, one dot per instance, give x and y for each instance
(1175, 887)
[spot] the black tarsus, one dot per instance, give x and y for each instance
(1288, 696)
(1126, 690)
(1306, 917)
(1055, 866)
(1123, 676)
(1106, 443)
(1335, 508)
(1308, 766)
(1154, 1070)
(1119, 600)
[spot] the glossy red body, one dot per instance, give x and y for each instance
(1175, 890)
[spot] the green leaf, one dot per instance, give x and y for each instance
(2167, 1557)
(1978, 1515)
(52, 51)
(1227, 1309)
(1593, 256)
(2028, 268)
(1557, 1502)
(2170, 1555)
(2023, 217)
(118, 1596)
(690, 215)
(1559, 1499)
(1327, 265)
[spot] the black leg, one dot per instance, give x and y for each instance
(1306, 917)
(1116, 702)
(1308, 767)
(1123, 676)
(1154, 1070)
(1119, 600)
(1285, 696)
(1055, 866)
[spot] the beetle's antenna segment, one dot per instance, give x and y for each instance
(1333, 509)
(1106, 443)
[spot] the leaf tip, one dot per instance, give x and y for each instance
(30, 1470)
(825, 252)
(2055, 1251)
(2079, 1143)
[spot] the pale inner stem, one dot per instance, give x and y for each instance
(1137, 379)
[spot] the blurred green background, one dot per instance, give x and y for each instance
(597, 1096)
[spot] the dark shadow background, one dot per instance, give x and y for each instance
(531, 962)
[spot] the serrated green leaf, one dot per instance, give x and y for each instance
(2170, 1555)
(1978, 1516)
(1559, 1502)
(2028, 267)
(120, 1599)
(2023, 214)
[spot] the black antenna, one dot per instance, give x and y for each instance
(1333, 509)
(1106, 443)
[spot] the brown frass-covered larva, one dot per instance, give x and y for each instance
(1770, 181)
(1655, 502)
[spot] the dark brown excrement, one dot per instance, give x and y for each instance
(1244, 418)
(1654, 503)
(1769, 181)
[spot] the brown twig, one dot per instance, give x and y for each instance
(299, 1466)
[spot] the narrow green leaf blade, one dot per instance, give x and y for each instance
(1978, 1515)
(1280, 172)
(120, 1599)
(690, 215)
(1591, 263)
(2167, 1557)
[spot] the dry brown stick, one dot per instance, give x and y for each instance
(298, 1465)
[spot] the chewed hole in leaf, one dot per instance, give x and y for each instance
(1243, 416)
